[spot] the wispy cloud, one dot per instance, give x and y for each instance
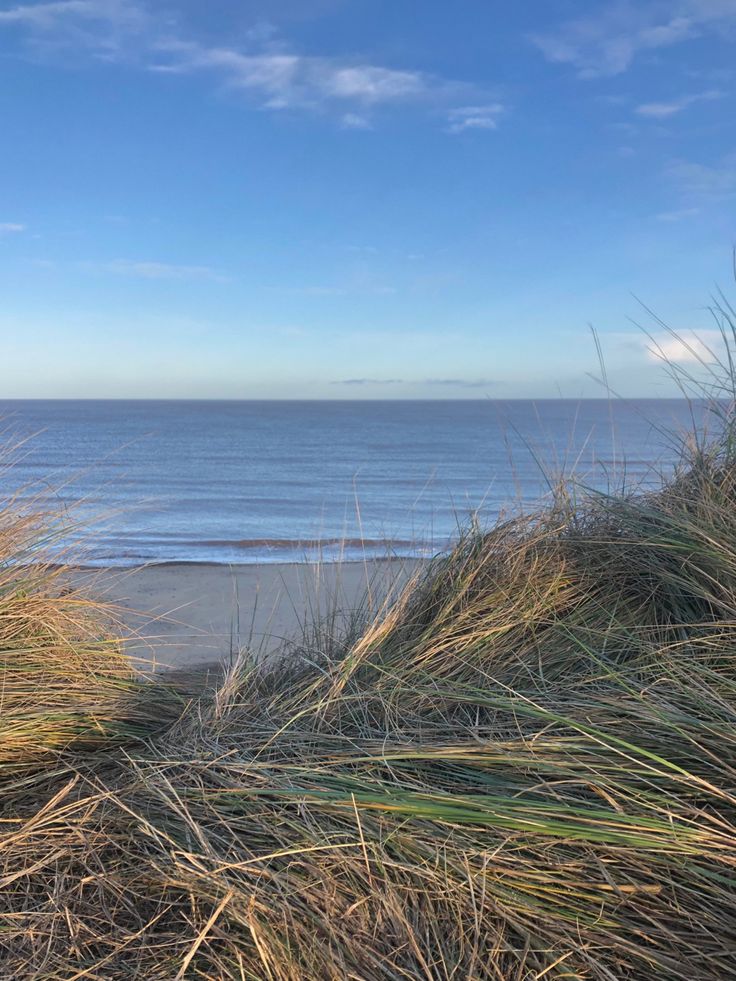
(353, 120)
(264, 67)
(48, 16)
(154, 270)
(280, 79)
(284, 79)
(704, 182)
(475, 117)
(678, 215)
(11, 227)
(608, 42)
(663, 110)
(105, 28)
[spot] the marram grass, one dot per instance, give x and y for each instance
(65, 682)
(523, 769)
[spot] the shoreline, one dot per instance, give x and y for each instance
(256, 564)
(181, 615)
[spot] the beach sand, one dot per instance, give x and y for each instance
(183, 615)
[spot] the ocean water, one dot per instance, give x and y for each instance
(289, 481)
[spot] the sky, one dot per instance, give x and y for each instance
(362, 198)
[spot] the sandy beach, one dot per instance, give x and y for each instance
(181, 615)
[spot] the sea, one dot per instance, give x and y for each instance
(293, 481)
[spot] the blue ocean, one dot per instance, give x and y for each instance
(239, 482)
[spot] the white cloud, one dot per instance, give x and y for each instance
(663, 110)
(607, 43)
(686, 347)
(285, 80)
(475, 117)
(11, 227)
(368, 83)
(273, 76)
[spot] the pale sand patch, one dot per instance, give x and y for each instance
(185, 614)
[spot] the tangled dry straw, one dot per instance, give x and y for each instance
(524, 769)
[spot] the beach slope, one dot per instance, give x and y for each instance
(182, 615)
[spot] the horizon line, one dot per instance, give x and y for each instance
(612, 397)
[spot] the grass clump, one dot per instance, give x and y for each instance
(65, 683)
(524, 768)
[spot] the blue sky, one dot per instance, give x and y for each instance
(359, 198)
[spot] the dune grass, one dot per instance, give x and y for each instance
(524, 768)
